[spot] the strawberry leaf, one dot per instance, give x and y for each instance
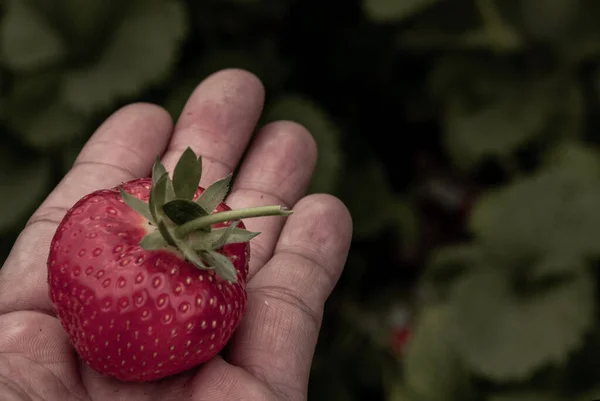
(141, 51)
(527, 396)
(185, 225)
(549, 23)
(221, 236)
(576, 159)
(189, 253)
(205, 242)
(446, 266)
(214, 194)
(550, 211)
(137, 204)
(186, 176)
(432, 368)
(491, 112)
(222, 240)
(153, 241)
(158, 170)
(394, 10)
(86, 19)
(222, 265)
(158, 195)
(398, 391)
(180, 211)
(27, 40)
(554, 265)
(501, 331)
(167, 233)
(495, 129)
(51, 127)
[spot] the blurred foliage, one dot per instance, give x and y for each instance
(462, 136)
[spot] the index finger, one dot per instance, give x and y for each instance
(278, 335)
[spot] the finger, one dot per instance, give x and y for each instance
(218, 380)
(277, 338)
(123, 148)
(217, 122)
(276, 171)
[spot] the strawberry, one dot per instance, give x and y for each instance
(148, 279)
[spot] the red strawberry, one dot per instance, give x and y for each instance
(149, 279)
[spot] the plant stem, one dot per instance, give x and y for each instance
(205, 221)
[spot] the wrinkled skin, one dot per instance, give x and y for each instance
(294, 266)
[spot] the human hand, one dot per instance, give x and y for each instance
(294, 263)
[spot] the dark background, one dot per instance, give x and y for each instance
(463, 136)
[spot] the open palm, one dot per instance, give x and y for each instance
(294, 263)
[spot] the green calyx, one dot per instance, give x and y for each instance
(187, 225)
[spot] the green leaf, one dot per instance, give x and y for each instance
(186, 176)
(554, 265)
(568, 115)
(504, 335)
(397, 391)
(214, 239)
(395, 10)
(143, 48)
(326, 134)
(189, 253)
(549, 22)
(527, 396)
(158, 170)
(153, 241)
(157, 199)
(446, 266)
(87, 19)
(32, 111)
(23, 182)
(180, 211)
(539, 214)
(574, 158)
(496, 129)
(167, 234)
(49, 127)
(33, 88)
(214, 194)
(222, 240)
(27, 40)
(137, 204)
(491, 109)
(432, 369)
(222, 265)
(225, 238)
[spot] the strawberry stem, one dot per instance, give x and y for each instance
(172, 209)
(207, 221)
